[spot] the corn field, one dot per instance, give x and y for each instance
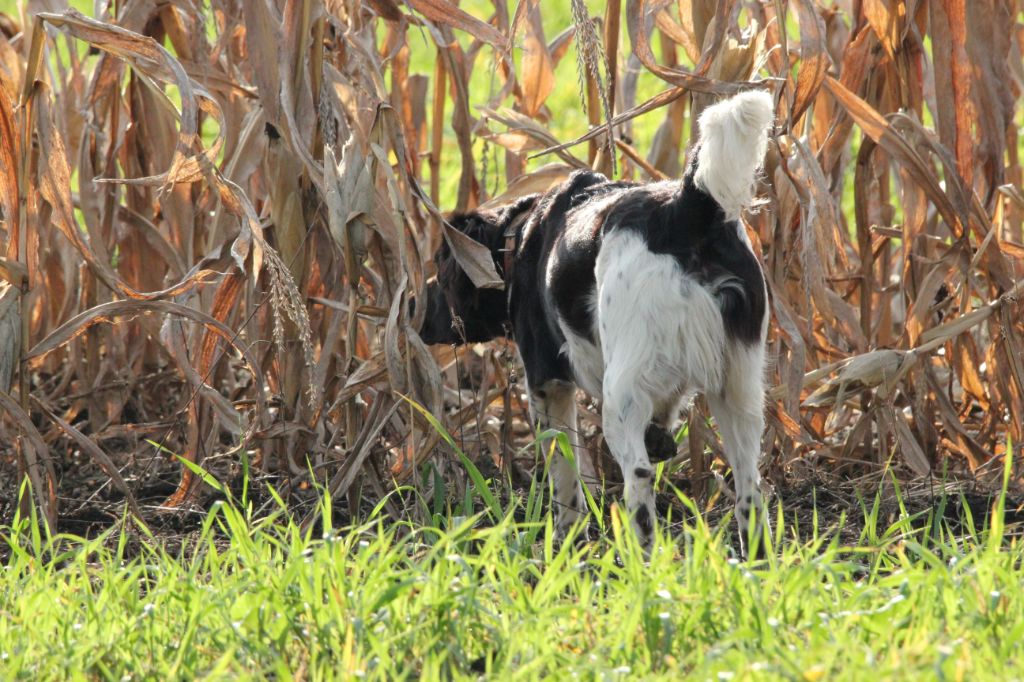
(214, 216)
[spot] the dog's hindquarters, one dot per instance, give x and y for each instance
(670, 292)
(662, 337)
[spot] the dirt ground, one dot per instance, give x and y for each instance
(89, 504)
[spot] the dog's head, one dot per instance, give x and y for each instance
(458, 312)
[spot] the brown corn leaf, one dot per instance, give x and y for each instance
(106, 312)
(861, 372)
(884, 18)
(911, 450)
(678, 34)
(878, 129)
(448, 14)
(537, 133)
(10, 334)
(637, 16)
(101, 458)
(660, 100)
(474, 258)
(37, 460)
(537, 71)
(950, 17)
(814, 59)
(9, 155)
(534, 182)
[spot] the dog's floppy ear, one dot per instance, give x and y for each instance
(437, 322)
(479, 314)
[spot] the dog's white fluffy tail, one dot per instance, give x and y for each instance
(734, 135)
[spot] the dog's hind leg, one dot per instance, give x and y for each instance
(631, 325)
(626, 412)
(553, 405)
(739, 411)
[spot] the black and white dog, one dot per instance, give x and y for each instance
(641, 295)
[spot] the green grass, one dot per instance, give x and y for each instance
(468, 596)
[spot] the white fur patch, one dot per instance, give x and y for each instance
(659, 328)
(586, 359)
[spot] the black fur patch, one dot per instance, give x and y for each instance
(575, 250)
(641, 472)
(533, 308)
(659, 443)
(644, 521)
(686, 223)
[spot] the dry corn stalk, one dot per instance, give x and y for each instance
(219, 216)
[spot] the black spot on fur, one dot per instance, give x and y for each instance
(644, 521)
(659, 443)
(641, 472)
